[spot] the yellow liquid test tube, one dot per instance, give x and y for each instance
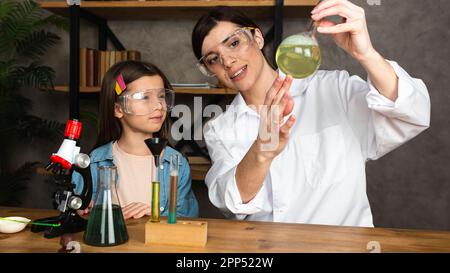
(155, 202)
(156, 146)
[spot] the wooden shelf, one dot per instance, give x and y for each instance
(178, 90)
(137, 10)
(199, 167)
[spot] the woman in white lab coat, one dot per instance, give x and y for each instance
(306, 162)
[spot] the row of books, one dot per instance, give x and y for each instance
(94, 63)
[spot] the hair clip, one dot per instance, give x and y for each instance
(120, 85)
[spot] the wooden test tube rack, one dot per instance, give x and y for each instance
(182, 233)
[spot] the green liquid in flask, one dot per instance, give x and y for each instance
(298, 56)
(106, 227)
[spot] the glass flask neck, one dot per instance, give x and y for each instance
(312, 29)
(106, 186)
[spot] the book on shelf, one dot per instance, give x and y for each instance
(118, 56)
(90, 67)
(134, 55)
(94, 63)
(124, 55)
(107, 61)
(112, 58)
(83, 64)
(96, 68)
(102, 69)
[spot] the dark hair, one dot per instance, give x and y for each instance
(211, 19)
(110, 127)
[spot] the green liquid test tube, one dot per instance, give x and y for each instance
(173, 188)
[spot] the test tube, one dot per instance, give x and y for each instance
(155, 191)
(173, 188)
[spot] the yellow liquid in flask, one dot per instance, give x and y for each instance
(298, 56)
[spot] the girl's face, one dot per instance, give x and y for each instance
(238, 70)
(149, 123)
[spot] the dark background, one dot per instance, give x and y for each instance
(408, 188)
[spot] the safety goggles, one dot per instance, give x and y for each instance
(236, 43)
(147, 101)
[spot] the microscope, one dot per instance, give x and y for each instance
(62, 165)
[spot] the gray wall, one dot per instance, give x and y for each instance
(408, 188)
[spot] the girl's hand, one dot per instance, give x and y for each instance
(87, 210)
(273, 134)
(136, 210)
(352, 34)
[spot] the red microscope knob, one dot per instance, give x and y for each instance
(73, 129)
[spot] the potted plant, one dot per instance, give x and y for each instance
(23, 42)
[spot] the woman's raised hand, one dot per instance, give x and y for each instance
(273, 129)
(352, 34)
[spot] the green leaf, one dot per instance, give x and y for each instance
(6, 8)
(28, 10)
(37, 44)
(37, 76)
(21, 35)
(32, 127)
(55, 20)
(19, 24)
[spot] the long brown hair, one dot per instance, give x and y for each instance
(109, 126)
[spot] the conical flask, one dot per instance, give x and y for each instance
(106, 225)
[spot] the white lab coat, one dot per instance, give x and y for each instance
(319, 178)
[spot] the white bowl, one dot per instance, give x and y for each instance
(12, 227)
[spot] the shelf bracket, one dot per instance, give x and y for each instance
(275, 33)
(104, 32)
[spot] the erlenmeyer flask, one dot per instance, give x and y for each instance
(299, 55)
(106, 225)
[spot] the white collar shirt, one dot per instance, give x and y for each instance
(319, 177)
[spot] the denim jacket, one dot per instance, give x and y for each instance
(187, 205)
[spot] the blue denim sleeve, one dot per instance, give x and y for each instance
(187, 202)
(77, 180)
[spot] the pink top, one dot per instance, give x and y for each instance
(135, 176)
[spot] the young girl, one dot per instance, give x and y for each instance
(127, 118)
